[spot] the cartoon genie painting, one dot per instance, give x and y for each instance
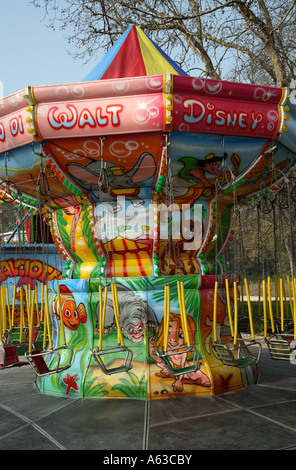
(135, 314)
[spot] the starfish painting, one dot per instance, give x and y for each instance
(70, 382)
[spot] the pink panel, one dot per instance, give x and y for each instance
(12, 103)
(100, 108)
(14, 130)
(70, 92)
(226, 108)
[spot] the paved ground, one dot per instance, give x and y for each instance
(261, 417)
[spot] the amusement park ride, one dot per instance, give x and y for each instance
(140, 172)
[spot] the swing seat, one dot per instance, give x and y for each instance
(6, 338)
(125, 367)
(35, 336)
(288, 327)
(226, 356)
(37, 361)
(243, 324)
(260, 326)
(165, 358)
(11, 358)
(279, 347)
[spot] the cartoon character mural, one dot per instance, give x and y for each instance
(135, 314)
(123, 183)
(25, 272)
(130, 166)
(22, 282)
(140, 301)
(202, 174)
(204, 170)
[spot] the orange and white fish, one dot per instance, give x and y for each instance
(72, 315)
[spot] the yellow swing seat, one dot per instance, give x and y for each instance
(37, 358)
(120, 349)
(98, 355)
(283, 329)
(188, 350)
(234, 352)
(37, 330)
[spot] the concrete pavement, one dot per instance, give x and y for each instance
(260, 417)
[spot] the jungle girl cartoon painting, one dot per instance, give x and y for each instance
(176, 340)
(196, 177)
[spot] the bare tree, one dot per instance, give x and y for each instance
(244, 40)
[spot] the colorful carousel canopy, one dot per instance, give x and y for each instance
(134, 55)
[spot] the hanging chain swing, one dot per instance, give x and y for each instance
(41, 360)
(9, 190)
(187, 354)
(122, 353)
(234, 352)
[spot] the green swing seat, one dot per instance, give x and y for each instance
(225, 353)
(191, 350)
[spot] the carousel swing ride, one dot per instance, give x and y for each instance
(140, 172)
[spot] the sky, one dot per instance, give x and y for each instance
(33, 54)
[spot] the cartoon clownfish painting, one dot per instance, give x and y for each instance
(72, 315)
